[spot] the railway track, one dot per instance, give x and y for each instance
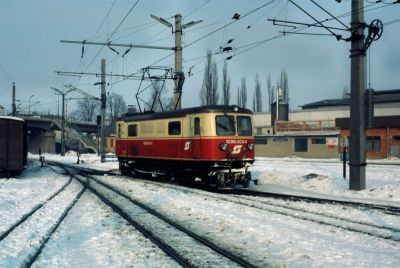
(375, 164)
(181, 244)
(379, 207)
(35, 230)
(273, 203)
(388, 209)
(359, 226)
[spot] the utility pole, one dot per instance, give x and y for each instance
(357, 106)
(29, 107)
(63, 121)
(103, 108)
(63, 126)
(14, 107)
(179, 76)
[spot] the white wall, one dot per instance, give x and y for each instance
(325, 113)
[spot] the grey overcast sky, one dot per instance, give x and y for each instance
(318, 67)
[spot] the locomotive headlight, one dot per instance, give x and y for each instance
(223, 146)
(250, 146)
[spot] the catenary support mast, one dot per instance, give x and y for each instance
(357, 106)
(103, 109)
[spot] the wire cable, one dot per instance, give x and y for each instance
(109, 38)
(222, 27)
(4, 71)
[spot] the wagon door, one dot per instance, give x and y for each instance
(195, 137)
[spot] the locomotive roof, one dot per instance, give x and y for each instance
(186, 111)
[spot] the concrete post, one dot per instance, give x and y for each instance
(103, 108)
(178, 61)
(357, 106)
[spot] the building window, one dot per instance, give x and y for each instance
(280, 139)
(174, 128)
(196, 126)
(396, 138)
(374, 144)
(132, 130)
(300, 145)
(261, 140)
(318, 141)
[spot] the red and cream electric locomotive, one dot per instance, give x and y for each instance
(212, 143)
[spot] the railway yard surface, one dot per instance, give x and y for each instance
(58, 216)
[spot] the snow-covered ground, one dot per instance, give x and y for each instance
(93, 235)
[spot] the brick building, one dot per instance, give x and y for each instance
(383, 140)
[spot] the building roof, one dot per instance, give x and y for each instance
(382, 96)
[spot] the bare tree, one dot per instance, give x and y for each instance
(257, 103)
(226, 84)
(158, 99)
(284, 84)
(115, 106)
(243, 93)
(87, 110)
(239, 100)
(209, 88)
(271, 91)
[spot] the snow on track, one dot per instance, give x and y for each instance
(22, 242)
(264, 238)
(19, 196)
(94, 236)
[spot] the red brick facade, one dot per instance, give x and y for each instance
(381, 142)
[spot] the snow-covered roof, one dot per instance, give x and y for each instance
(12, 118)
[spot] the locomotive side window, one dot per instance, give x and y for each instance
(225, 125)
(119, 131)
(174, 128)
(244, 126)
(132, 130)
(196, 126)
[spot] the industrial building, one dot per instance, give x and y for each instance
(317, 129)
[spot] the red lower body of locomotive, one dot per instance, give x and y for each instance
(217, 161)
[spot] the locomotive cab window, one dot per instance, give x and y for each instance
(132, 130)
(174, 128)
(225, 125)
(244, 126)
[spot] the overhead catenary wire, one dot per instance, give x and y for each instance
(245, 48)
(205, 36)
(115, 30)
(330, 14)
(104, 19)
(222, 27)
(197, 8)
(7, 75)
(317, 21)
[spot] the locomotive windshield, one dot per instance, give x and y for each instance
(244, 126)
(225, 125)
